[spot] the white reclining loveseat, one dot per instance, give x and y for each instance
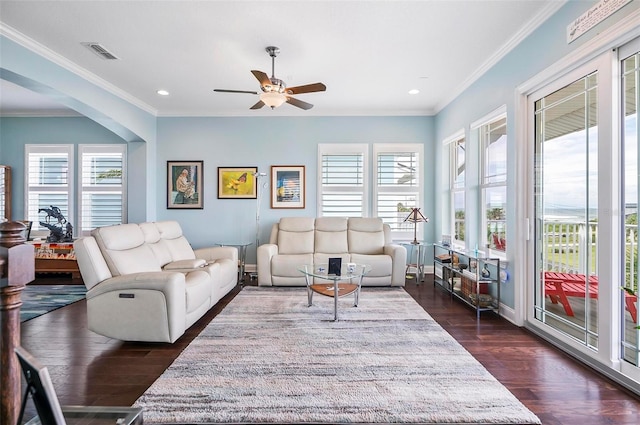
(296, 241)
(145, 282)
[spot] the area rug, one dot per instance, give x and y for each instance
(269, 358)
(40, 299)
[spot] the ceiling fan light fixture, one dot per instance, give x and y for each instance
(273, 99)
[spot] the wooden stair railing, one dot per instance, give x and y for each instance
(17, 268)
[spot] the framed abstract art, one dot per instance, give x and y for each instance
(287, 186)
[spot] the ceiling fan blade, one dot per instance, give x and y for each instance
(299, 103)
(234, 91)
(262, 77)
(258, 105)
(308, 88)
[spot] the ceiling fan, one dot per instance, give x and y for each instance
(274, 91)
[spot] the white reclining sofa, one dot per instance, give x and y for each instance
(296, 241)
(145, 282)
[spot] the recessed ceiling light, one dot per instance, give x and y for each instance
(414, 91)
(163, 92)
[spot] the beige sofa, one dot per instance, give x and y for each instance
(296, 241)
(145, 282)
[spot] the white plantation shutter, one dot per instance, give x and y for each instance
(49, 177)
(102, 188)
(398, 186)
(342, 185)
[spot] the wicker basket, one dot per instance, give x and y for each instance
(485, 300)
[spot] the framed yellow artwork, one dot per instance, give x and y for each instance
(237, 182)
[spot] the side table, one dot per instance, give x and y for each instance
(242, 256)
(415, 257)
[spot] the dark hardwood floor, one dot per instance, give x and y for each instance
(88, 369)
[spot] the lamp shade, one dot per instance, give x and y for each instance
(273, 99)
(415, 217)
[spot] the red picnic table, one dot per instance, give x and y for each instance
(558, 286)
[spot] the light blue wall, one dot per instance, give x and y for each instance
(219, 142)
(266, 141)
(543, 48)
(263, 142)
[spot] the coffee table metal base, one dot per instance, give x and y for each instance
(330, 290)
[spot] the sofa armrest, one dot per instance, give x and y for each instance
(172, 283)
(185, 266)
(398, 255)
(145, 306)
(264, 254)
(211, 254)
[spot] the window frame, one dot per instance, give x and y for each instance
(53, 149)
(455, 188)
(107, 149)
(73, 189)
(483, 129)
(327, 149)
(416, 149)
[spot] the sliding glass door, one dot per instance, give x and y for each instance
(630, 91)
(585, 183)
(566, 209)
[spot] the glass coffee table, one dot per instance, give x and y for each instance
(346, 283)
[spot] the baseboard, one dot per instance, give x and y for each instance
(250, 268)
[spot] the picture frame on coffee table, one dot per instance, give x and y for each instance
(184, 184)
(288, 186)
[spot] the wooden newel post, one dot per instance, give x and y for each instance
(17, 268)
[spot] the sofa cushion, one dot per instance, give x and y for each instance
(287, 265)
(366, 236)
(173, 241)
(331, 235)
(124, 249)
(381, 265)
(296, 235)
(156, 243)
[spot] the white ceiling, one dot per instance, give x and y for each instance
(368, 53)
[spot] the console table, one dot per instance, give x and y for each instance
(55, 258)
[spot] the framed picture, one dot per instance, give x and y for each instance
(237, 182)
(184, 184)
(287, 186)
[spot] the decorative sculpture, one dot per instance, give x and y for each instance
(61, 230)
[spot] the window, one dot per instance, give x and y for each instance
(492, 136)
(457, 188)
(342, 180)
(49, 178)
(345, 189)
(100, 192)
(398, 185)
(101, 189)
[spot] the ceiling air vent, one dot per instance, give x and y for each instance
(100, 50)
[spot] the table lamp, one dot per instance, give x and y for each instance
(415, 217)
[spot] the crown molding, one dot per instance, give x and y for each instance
(49, 113)
(507, 47)
(41, 50)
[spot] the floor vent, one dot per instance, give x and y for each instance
(100, 50)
